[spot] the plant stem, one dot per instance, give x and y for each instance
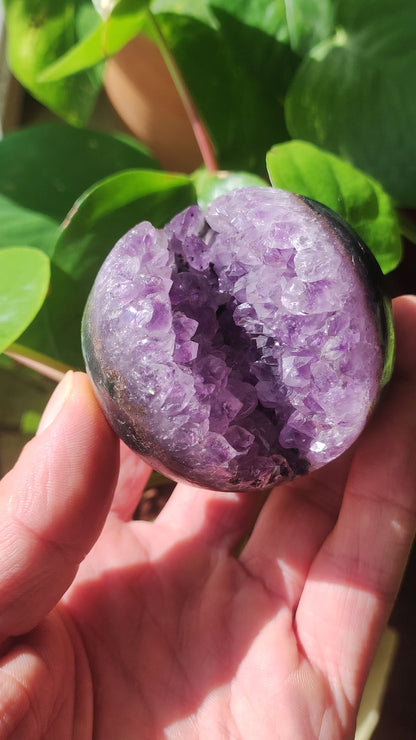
(201, 134)
(43, 365)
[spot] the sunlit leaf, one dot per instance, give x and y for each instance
(113, 32)
(39, 31)
(24, 280)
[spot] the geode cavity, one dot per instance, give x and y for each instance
(241, 346)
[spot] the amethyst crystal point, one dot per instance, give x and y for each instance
(242, 346)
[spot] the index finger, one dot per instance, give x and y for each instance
(53, 504)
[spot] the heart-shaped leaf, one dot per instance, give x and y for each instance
(24, 280)
(355, 93)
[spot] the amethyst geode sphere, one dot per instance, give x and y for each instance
(242, 345)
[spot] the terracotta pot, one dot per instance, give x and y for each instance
(141, 90)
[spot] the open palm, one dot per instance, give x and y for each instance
(230, 616)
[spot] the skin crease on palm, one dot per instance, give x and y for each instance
(113, 628)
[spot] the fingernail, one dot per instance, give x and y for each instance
(56, 401)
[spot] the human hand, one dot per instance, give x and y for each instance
(113, 628)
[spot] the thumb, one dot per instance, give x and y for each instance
(53, 504)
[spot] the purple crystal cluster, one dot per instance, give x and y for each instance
(240, 346)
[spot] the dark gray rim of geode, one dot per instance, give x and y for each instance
(370, 274)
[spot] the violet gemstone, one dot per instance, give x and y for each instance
(241, 346)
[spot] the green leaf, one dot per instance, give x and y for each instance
(43, 170)
(210, 185)
(304, 169)
(355, 94)
(244, 66)
(39, 31)
(309, 22)
(122, 25)
(24, 280)
(97, 221)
